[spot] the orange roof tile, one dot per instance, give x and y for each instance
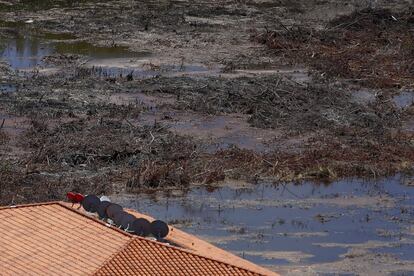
(208, 250)
(50, 239)
(54, 239)
(145, 257)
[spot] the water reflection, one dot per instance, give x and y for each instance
(292, 224)
(28, 47)
(7, 88)
(92, 51)
(404, 99)
(26, 52)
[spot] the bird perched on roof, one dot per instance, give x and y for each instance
(75, 198)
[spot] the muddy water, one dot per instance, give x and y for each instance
(24, 52)
(297, 227)
(13, 125)
(223, 132)
(7, 88)
(404, 99)
(144, 68)
(29, 50)
(299, 75)
(29, 47)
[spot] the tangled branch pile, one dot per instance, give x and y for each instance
(373, 47)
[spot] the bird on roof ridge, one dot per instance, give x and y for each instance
(75, 198)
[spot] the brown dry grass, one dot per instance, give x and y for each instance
(372, 47)
(322, 161)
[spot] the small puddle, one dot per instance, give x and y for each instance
(29, 47)
(7, 88)
(364, 97)
(96, 52)
(288, 226)
(25, 52)
(404, 99)
(299, 75)
(141, 69)
(217, 132)
(13, 125)
(149, 101)
(223, 132)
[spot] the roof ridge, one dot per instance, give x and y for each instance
(133, 237)
(114, 255)
(247, 265)
(95, 219)
(184, 250)
(29, 205)
(64, 205)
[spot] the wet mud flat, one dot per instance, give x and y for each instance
(125, 97)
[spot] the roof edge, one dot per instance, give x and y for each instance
(246, 265)
(84, 214)
(134, 237)
(29, 205)
(184, 250)
(65, 205)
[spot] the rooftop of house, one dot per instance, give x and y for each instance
(53, 238)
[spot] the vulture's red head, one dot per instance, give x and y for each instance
(75, 197)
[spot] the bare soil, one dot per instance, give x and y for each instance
(84, 128)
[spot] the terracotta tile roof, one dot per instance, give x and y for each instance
(208, 250)
(50, 239)
(145, 257)
(54, 239)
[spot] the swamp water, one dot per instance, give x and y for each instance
(28, 48)
(288, 226)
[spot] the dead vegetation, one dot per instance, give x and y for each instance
(373, 47)
(97, 143)
(77, 139)
(273, 102)
(22, 186)
(107, 155)
(3, 138)
(322, 161)
(104, 147)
